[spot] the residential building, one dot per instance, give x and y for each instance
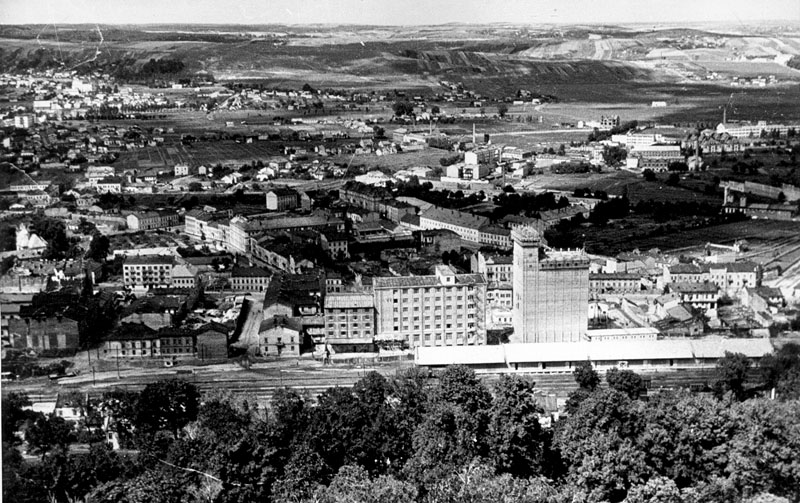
(109, 185)
(335, 244)
(184, 276)
(614, 283)
(496, 268)
(280, 336)
(464, 224)
(181, 170)
(350, 321)
(703, 296)
(249, 279)
(153, 271)
(148, 220)
(444, 309)
(551, 290)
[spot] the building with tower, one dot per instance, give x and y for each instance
(551, 290)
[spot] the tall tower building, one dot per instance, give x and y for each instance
(551, 290)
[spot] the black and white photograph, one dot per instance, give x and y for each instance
(412, 251)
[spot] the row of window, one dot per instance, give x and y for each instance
(406, 326)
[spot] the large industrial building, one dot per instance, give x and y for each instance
(562, 357)
(445, 309)
(551, 290)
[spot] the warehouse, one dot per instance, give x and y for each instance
(563, 356)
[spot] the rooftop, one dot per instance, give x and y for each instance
(348, 300)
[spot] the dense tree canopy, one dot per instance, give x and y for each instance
(450, 438)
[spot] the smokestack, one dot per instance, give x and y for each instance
(473, 134)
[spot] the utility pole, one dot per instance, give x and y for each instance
(118, 376)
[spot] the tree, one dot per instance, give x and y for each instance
(167, 405)
(514, 431)
(47, 432)
(195, 187)
(502, 110)
(598, 443)
(586, 376)
(732, 374)
(673, 179)
(625, 381)
(403, 107)
(98, 247)
(14, 414)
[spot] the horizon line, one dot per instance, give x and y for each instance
(453, 23)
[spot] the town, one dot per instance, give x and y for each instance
(230, 240)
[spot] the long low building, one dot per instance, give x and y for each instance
(563, 356)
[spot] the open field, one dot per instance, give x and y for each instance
(615, 183)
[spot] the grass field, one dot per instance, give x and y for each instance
(614, 240)
(615, 183)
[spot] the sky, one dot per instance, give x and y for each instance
(394, 12)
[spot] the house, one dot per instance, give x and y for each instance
(181, 170)
(335, 244)
(184, 276)
(148, 220)
(614, 283)
(136, 341)
(249, 279)
(27, 240)
(763, 299)
(109, 186)
(702, 296)
(280, 336)
(282, 199)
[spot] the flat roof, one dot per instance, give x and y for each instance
(705, 348)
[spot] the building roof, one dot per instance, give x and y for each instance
(149, 259)
(249, 272)
(183, 271)
(602, 351)
(454, 217)
(694, 287)
(423, 281)
(347, 300)
(283, 191)
(280, 321)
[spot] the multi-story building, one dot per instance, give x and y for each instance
(181, 170)
(551, 291)
(350, 320)
(703, 296)
(147, 220)
(464, 224)
(496, 236)
(496, 268)
(249, 279)
(109, 185)
(184, 276)
(614, 283)
(153, 271)
(731, 277)
(282, 199)
(280, 336)
(444, 309)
